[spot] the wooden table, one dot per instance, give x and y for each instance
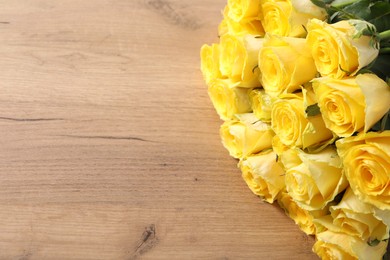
(110, 145)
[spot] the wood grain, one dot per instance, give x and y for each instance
(109, 143)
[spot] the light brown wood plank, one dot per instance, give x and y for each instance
(108, 138)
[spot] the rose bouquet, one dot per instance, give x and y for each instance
(303, 90)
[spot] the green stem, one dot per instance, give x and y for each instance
(385, 50)
(385, 35)
(342, 3)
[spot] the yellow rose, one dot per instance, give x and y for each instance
(209, 56)
(239, 10)
(294, 128)
(263, 175)
(261, 104)
(228, 26)
(248, 25)
(331, 245)
(313, 180)
(278, 146)
(303, 218)
(228, 99)
(285, 64)
(245, 136)
(356, 218)
(352, 104)
(338, 49)
(288, 17)
(238, 59)
(366, 159)
(223, 28)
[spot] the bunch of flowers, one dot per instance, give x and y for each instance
(302, 88)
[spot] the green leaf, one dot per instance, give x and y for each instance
(313, 110)
(384, 121)
(376, 12)
(379, 9)
(341, 14)
(381, 66)
(380, 15)
(319, 3)
(359, 9)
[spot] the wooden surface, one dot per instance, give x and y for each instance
(109, 143)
